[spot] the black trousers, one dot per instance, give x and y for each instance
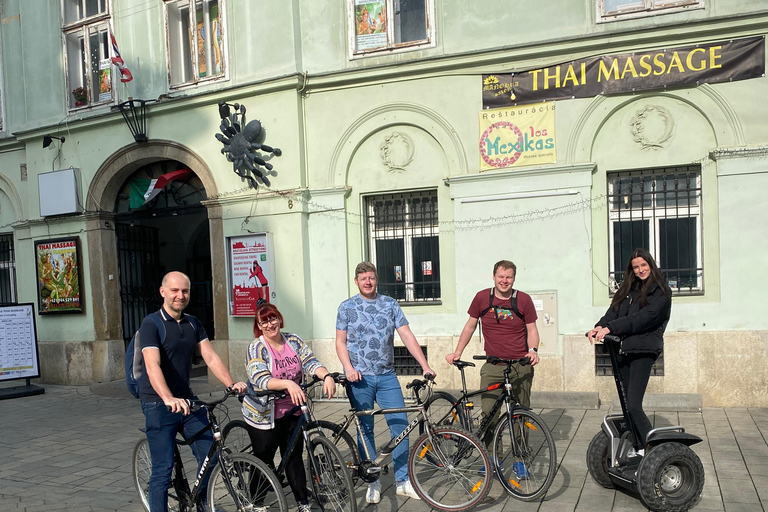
(265, 444)
(635, 370)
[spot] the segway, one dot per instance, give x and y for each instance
(668, 476)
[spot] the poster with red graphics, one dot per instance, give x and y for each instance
(250, 272)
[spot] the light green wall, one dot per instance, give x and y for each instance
(330, 124)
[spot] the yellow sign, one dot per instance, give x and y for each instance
(517, 136)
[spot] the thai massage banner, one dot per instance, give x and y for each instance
(513, 137)
(250, 272)
(725, 61)
(58, 276)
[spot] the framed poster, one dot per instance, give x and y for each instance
(250, 272)
(18, 343)
(58, 276)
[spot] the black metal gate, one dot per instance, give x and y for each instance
(138, 253)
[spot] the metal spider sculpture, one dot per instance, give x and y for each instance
(240, 147)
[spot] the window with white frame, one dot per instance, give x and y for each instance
(659, 210)
(387, 25)
(612, 10)
(86, 43)
(7, 270)
(196, 43)
(403, 243)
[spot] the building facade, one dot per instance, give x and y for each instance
(378, 109)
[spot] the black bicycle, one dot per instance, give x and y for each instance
(238, 482)
(444, 463)
(332, 486)
(522, 446)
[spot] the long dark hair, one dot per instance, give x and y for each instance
(632, 282)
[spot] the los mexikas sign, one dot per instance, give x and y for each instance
(726, 61)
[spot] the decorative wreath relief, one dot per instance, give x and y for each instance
(652, 127)
(396, 151)
(240, 146)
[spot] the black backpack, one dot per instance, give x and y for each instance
(134, 362)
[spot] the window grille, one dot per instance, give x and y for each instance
(603, 363)
(405, 363)
(7, 270)
(659, 210)
(403, 243)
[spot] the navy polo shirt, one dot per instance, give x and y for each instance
(176, 350)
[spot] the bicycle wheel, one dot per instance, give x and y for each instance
(444, 466)
(440, 411)
(253, 485)
(331, 481)
(343, 441)
(142, 470)
(525, 455)
(236, 436)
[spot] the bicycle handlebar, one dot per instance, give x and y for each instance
(195, 405)
(420, 383)
(523, 361)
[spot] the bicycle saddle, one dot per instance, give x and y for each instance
(462, 364)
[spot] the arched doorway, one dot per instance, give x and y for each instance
(167, 232)
(102, 197)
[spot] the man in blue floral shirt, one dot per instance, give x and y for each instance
(365, 336)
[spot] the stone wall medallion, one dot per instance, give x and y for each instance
(652, 127)
(396, 151)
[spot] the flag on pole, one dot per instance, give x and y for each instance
(117, 60)
(143, 191)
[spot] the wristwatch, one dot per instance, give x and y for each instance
(534, 349)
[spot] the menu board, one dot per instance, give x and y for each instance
(18, 343)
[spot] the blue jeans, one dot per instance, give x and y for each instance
(385, 391)
(162, 427)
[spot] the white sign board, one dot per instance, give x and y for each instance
(18, 343)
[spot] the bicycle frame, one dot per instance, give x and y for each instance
(388, 448)
(506, 397)
(306, 418)
(188, 496)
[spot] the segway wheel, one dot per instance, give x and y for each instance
(597, 460)
(670, 478)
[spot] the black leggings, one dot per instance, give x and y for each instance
(265, 444)
(635, 370)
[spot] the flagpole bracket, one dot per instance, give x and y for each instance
(135, 116)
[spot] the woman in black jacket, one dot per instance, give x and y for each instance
(638, 314)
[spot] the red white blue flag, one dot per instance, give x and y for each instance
(117, 60)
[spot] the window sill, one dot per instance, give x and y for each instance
(381, 52)
(92, 106)
(420, 303)
(631, 15)
(203, 81)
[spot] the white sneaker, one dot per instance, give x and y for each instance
(406, 489)
(374, 492)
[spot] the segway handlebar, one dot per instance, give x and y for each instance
(608, 337)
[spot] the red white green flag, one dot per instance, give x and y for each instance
(143, 191)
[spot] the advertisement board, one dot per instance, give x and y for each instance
(250, 272)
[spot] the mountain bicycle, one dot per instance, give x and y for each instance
(443, 464)
(238, 482)
(522, 446)
(332, 485)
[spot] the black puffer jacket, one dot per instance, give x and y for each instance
(641, 329)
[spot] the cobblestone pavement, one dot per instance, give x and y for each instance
(71, 449)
